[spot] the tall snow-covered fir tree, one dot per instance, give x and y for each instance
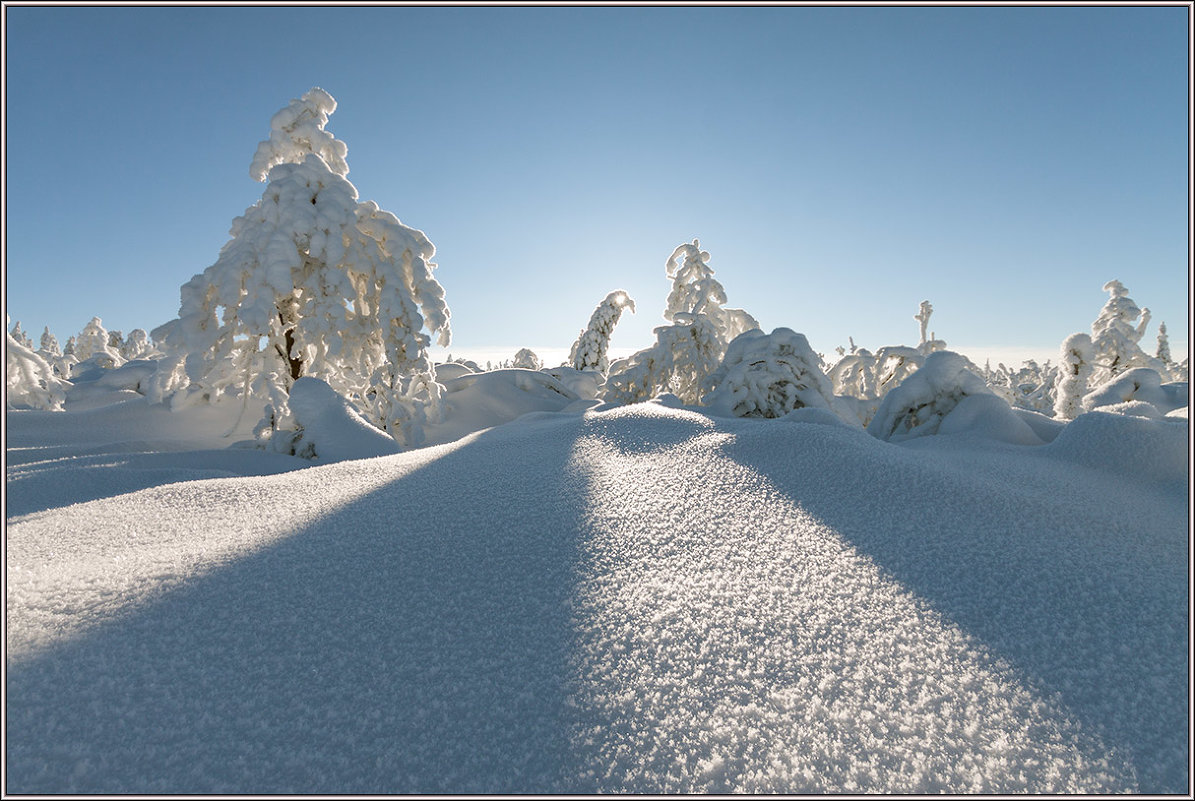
(590, 350)
(314, 282)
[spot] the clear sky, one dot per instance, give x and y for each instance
(839, 164)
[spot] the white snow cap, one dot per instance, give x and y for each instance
(298, 130)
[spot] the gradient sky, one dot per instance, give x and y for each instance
(839, 164)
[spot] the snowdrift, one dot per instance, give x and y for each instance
(646, 599)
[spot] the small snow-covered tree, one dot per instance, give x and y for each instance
(1163, 354)
(770, 375)
(1075, 365)
(893, 364)
(30, 381)
(137, 346)
(590, 349)
(20, 336)
(314, 282)
(526, 359)
(687, 351)
(93, 341)
(683, 355)
(854, 374)
(918, 406)
(49, 345)
(696, 291)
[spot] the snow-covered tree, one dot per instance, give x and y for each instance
(526, 359)
(1163, 354)
(30, 381)
(893, 364)
(683, 355)
(590, 349)
(919, 404)
(49, 345)
(696, 291)
(138, 345)
(1074, 370)
(314, 282)
(687, 351)
(1116, 334)
(20, 336)
(116, 341)
(854, 374)
(93, 341)
(770, 375)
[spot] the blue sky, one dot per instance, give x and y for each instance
(839, 164)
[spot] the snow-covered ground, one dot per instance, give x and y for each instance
(643, 599)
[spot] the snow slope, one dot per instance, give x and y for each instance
(644, 599)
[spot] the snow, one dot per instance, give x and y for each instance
(643, 599)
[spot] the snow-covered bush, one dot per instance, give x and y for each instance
(854, 374)
(917, 406)
(49, 345)
(526, 359)
(893, 364)
(1074, 371)
(1140, 384)
(769, 375)
(93, 341)
(31, 382)
(590, 349)
(314, 283)
(687, 351)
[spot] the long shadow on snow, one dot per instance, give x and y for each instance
(1091, 605)
(416, 640)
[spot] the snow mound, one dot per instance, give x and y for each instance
(482, 400)
(330, 429)
(645, 600)
(1134, 447)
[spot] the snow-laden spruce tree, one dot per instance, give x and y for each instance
(589, 352)
(696, 291)
(1075, 365)
(1163, 353)
(314, 282)
(770, 375)
(49, 345)
(689, 349)
(1116, 334)
(93, 341)
(30, 380)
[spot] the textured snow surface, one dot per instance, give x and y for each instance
(644, 599)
